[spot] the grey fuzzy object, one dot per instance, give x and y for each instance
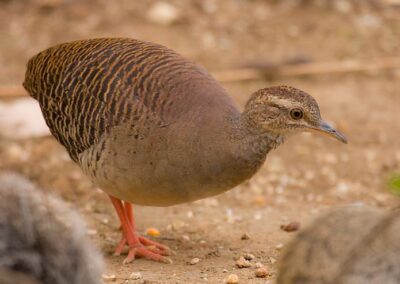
(42, 238)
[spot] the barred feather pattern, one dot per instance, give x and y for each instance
(87, 87)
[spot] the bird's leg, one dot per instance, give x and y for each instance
(122, 242)
(129, 212)
(138, 245)
(157, 247)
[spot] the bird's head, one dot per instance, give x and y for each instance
(282, 111)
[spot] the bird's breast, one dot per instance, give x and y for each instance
(170, 165)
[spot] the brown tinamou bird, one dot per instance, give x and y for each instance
(350, 245)
(150, 127)
(41, 239)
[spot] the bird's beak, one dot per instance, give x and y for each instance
(326, 128)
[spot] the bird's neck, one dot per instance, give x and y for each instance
(252, 144)
(247, 129)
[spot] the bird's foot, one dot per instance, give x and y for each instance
(143, 247)
(138, 245)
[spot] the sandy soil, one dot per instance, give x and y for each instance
(305, 176)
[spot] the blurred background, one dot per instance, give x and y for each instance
(346, 53)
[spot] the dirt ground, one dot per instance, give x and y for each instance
(305, 176)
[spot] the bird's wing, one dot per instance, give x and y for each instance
(85, 99)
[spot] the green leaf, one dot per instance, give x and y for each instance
(394, 184)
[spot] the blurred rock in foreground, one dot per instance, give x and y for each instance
(41, 238)
(351, 245)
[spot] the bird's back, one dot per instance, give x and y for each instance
(85, 88)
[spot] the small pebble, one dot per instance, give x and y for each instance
(258, 216)
(185, 238)
(279, 246)
(177, 224)
(91, 232)
(109, 277)
(163, 13)
(194, 261)
(249, 256)
(229, 217)
(291, 227)
(261, 272)
(245, 236)
(272, 260)
(17, 153)
(331, 158)
(152, 232)
(342, 188)
(258, 265)
(243, 263)
(135, 275)
(259, 200)
(232, 279)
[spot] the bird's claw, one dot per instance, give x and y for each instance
(145, 252)
(144, 248)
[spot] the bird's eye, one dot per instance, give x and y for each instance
(296, 113)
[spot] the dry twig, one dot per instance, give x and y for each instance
(312, 68)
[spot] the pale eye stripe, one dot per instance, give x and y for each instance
(287, 103)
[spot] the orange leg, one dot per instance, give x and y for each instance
(138, 245)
